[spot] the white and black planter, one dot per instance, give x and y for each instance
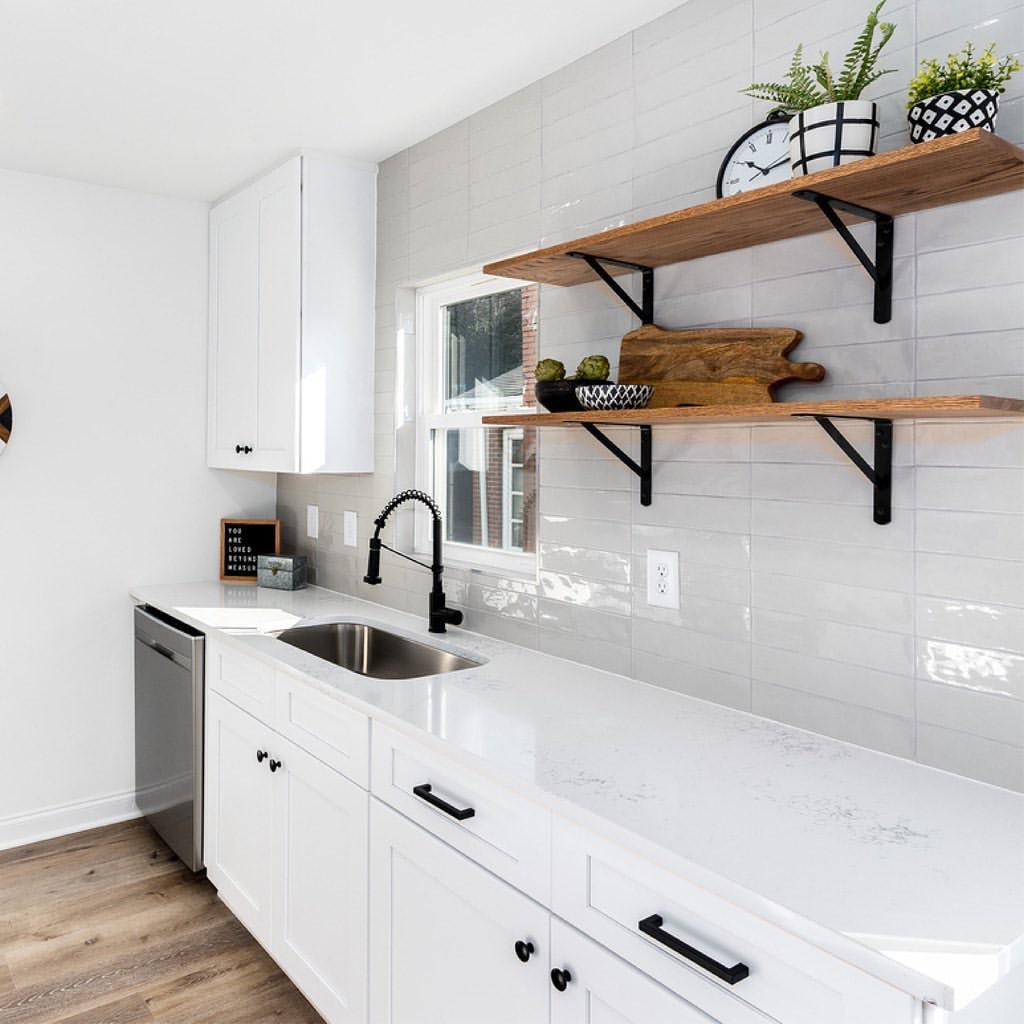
(952, 112)
(832, 134)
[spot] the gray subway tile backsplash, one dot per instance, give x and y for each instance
(907, 638)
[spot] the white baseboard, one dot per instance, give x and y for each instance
(66, 819)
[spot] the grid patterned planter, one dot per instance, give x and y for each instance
(952, 112)
(832, 134)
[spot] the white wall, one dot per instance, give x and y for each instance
(908, 638)
(104, 485)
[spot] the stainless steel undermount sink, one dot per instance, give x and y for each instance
(372, 651)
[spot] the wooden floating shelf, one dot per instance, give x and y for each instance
(879, 411)
(940, 407)
(952, 169)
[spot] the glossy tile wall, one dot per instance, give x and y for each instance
(907, 638)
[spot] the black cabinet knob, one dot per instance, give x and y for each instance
(261, 755)
(560, 979)
(274, 765)
(524, 950)
(242, 449)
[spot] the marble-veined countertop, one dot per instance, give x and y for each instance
(913, 874)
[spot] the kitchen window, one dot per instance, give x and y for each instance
(477, 349)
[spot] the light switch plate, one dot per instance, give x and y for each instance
(663, 578)
(349, 528)
(313, 521)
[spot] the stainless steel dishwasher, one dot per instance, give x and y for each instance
(169, 730)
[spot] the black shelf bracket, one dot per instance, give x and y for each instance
(642, 469)
(880, 474)
(879, 269)
(645, 311)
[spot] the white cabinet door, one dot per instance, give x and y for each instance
(291, 320)
(255, 294)
(320, 887)
(443, 934)
(602, 989)
(238, 841)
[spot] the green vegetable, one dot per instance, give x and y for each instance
(593, 368)
(549, 369)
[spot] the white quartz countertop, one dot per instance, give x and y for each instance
(914, 874)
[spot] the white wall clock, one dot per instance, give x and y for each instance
(759, 157)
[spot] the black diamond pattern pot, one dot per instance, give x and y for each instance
(952, 112)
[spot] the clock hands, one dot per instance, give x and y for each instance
(766, 170)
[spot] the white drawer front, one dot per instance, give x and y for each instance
(246, 682)
(337, 735)
(608, 891)
(505, 833)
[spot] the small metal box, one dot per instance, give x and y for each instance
(281, 572)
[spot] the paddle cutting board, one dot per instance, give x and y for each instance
(712, 365)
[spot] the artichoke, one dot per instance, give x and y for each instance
(549, 369)
(593, 368)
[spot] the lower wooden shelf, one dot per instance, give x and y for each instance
(880, 411)
(943, 406)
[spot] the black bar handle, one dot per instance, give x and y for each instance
(652, 926)
(560, 978)
(458, 813)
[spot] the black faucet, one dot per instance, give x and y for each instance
(440, 616)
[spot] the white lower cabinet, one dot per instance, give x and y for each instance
(286, 847)
(452, 944)
(443, 934)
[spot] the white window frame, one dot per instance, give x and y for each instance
(430, 299)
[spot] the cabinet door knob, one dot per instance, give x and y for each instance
(242, 449)
(560, 978)
(274, 765)
(261, 756)
(524, 950)
(424, 792)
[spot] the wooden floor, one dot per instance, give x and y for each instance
(108, 927)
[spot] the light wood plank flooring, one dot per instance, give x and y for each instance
(108, 927)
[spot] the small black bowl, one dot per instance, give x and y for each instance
(560, 395)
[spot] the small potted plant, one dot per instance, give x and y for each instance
(831, 125)
(961, 94)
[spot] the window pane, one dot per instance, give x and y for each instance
(483, 347)
(480, 506)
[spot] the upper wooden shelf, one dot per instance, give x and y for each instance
(945, 406)
(968, 165)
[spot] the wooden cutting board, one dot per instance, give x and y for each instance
(713, 365)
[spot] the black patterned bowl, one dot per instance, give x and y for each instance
(563, 395)
(615, 396)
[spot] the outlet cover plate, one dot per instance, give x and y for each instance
(349, 528)
(313, 521)
(663, 578)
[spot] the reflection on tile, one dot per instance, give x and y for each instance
(973, 668)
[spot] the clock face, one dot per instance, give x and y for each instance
(760, 158)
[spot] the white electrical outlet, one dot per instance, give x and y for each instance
(663, 578)
(349, 528)
(313, 521)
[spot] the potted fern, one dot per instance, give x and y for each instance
(831, 124)
(963, 93)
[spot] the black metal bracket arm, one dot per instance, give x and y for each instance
(645, 311)
(641, 468)
(879, 269)
(880, 474)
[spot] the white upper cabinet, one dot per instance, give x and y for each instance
(291, 320)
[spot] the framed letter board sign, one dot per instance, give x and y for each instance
(241, 540)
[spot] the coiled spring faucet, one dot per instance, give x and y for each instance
(440, 616)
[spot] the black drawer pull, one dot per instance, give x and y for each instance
(261, 756)
(458, 813)
(243, 449)
(274, 765)
(560, 978)
(730, 975)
